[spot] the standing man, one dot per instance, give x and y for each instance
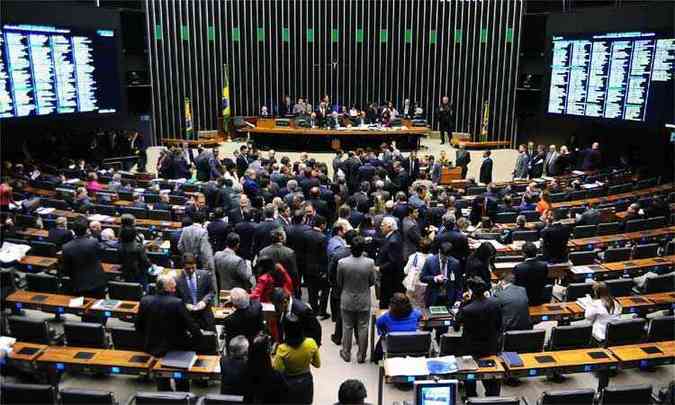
(522, 163)
(592, 158)
(355, 276)
(232, 270)
(411, 232)
(512, 301)
(316, 266)
(82, 263)
(486, 168)
(445, 118)
(390, 262)
(195, 289)
(532, 274)
(462, 159)
(165, 325)
(550, 164)
(554, 238)
(443, 275)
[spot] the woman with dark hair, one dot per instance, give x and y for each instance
(601, 310)
(482, 321)
(263, 384)
(480, 263)
(271, 276)
(293, 358)
(134, 262)
(401, 317)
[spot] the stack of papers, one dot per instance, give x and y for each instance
(406, 366)
(12, 252)
(106, 304)
(76, 302)
(99, 218)
(582, 270)
(45, 210)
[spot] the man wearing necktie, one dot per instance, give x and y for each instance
(195, 288)
(443, 275)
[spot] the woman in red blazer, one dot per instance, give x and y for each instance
(272, 276)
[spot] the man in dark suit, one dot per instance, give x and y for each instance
(218, 230)
(554, 238)
(282, 254)
(443, 275)
(390, 262)
(284, 306)
(412, 165)
(262, 236)
(462, 159)
(236, 214)
(531, 274)
(165, 325)
(485, 176)
(316, 266)
(247, 318)
(246, 229)
(60, 235)
(589, 217)
(243, 160)
(82, 263)
(458, 240)
(592, 159)
(195, 288)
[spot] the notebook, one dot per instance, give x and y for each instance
(179, 359)
(512, 359)
(438, 311)
(466, 363)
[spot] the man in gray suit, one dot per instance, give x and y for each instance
(411, 232)
(520, 171)
(462, 159)
(550, 163)
(233, 271)
(279, 253)
(195, 239)
(512, 301)
(355, 276)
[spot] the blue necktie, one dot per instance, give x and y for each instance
(193, 289)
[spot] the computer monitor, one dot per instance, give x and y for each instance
(442, 392)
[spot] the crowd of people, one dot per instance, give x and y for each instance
(263, 227)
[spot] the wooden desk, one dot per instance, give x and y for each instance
(645, 354)
(33, 233)
(206, 367)
(635, 304)
(115, 221)
(584, 272)
(52, 303)
(615, 197)
(126, 310)
(662, 300)
(561, 311)
(632, 268)
(36, 264)
(621, 237)
(59, 359)
(25, 352)
(621, 215)
(564, 362)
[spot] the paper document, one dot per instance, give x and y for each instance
(76, 302)
(267, 307)
(582, 270)
(406, 366)
(578, 172)
(99, 218)
(45, 210)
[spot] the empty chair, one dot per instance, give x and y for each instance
(125, 291)
(661, 329)
(656, 222)
(85, 334)
(646, 251)
(493, 401)
(585, 231)
(558, 197)
(547, 293)
(32, 331)
(163, 398)
(670, 248)
(140, 213)
(625, 332)
(635, 225)
(78, 396)
(617, 254)
(506, 217)
(27, 394)
(620, 287)
(401, 344)
(582, 396)
(42, 282)
(105, 209)
(530, 216)
(528, 236)
(570, 337)
(159, 259)
(216, 399)
(523, 341)
(577, 195)
(575, 291)
(582, 258)
(159, 215)
(7, 284)
(42, 248)
(208, 344)
(110, 256)
(66, 286)
(126, 338)
(658, 284)
(626, 395)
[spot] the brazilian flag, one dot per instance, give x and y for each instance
(189, 133)
(226, 99)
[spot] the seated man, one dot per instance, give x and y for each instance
(195, 288)
(233, 366)
(247, 318)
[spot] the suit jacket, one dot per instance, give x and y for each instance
(453, 286)
(551, 164)
(411, 236)
(522, 162)
(390, 261)
(242, 164)
(262, 235)
(304, 313)
(82, 263)
(533, 275)
(285, 256)
(164, 323)
(412, 167)
(482, 320)
(513, 303)
(217, 231)
(460, 244)
(195, 239)
(205, 292)
(247, 321)
(232, 271)
(554, 242)
(245, 230)
(355, 276)
(462, 158)
(486, 171)
(60, 236)
(589, 217)
(591, 160)
(316, 259)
